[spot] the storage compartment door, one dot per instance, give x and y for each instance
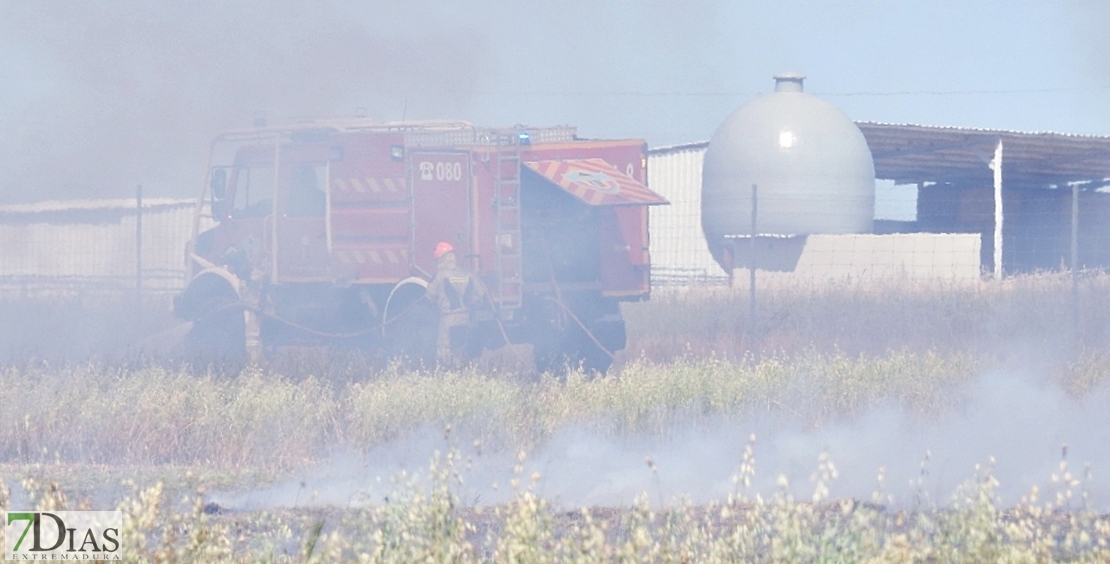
(440, 206)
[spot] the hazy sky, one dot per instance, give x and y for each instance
(99, 96)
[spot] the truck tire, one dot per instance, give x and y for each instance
(218, 333)
(219, 337)
(559, 351)
(583, 340)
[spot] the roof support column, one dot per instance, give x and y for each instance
(996, 166)
(1075, 249)
(1074, 227)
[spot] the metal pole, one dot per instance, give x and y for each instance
(1074, 229)
(1075, 256)
(752, 263)
(996, 165)
(139, 246)
(276, 195)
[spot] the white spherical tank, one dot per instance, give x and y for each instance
(810, 162)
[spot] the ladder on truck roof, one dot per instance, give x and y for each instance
(507, 204)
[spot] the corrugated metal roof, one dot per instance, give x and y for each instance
(911, 153)
(695, 146)
(111, 204)
(908, 153)
(87, 211)
(960, 128)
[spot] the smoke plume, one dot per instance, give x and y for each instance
(115, 93)
(1017, 429)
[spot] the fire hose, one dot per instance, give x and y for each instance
(306, 329)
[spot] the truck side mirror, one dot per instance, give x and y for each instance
(217, 186)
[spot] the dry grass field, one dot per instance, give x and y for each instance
(991, 319)
(158, 439)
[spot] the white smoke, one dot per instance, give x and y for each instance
(1019, 423)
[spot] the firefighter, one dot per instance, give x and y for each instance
(456, 292)
(241, 262)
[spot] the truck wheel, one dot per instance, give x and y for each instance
(570, 349)
(592, 358)
(219, 331)
(218, 337)
(410, 323)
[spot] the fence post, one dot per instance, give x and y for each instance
(139, 247)
(1075, 257)
(752, 265)
(1074, 228)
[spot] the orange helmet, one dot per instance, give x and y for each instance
(443, 248)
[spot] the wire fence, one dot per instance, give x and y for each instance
(97, 248)
(837, 258)
(94, 249)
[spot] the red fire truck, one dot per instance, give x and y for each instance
(331, 226)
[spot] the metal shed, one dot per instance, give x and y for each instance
(1042, 193)
(1046, 197)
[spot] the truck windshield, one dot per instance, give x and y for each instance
(254, 190)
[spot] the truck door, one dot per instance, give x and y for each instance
(440, 205)
(300, 235)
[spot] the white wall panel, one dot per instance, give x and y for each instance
(678, 250)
